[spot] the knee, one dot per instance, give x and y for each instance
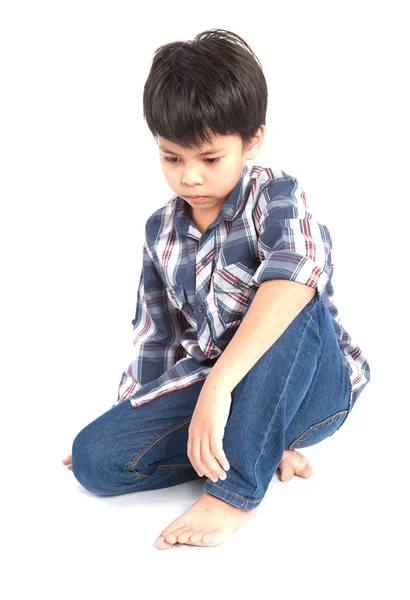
(86, 462)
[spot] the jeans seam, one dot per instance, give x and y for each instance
(174, 466)
(209, 482)
(152, 443)
(316, 425)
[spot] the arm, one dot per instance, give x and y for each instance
(157, 327)
(276, 303)
(296, 262)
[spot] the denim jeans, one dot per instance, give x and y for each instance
(296, 395)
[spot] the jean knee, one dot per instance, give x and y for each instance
(86, 462)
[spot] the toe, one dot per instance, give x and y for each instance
(212, 537)
(205, 538)
(196, 537)
(177, 533)
(169, 532)
(184, 535)
(286, 471)
(307, 471)
(300, 464)
(163, 544)
(170, 538)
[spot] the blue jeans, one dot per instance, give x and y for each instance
(296, 395)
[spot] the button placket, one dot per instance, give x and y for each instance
(205, 273)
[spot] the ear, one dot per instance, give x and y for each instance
(256, 143)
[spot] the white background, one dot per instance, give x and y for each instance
(79, 176)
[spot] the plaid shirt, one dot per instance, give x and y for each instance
(195, 288)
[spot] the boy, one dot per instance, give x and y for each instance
(239, 354)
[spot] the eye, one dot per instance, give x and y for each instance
(173, 159)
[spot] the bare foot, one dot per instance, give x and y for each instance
(67, 462)
(294, 463)
(209, 522)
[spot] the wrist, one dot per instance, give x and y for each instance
(213, 384)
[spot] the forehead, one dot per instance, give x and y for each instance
(218, 143)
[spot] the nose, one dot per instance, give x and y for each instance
(191, 178)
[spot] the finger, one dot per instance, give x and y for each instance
(220, 458)
(189, 451)
(211, 464)
(196, 454)
(218, 452)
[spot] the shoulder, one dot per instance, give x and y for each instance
(279, 194)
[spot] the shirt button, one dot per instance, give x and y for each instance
(237, 283)
(204, 261)
(202, 374)
(201, 308)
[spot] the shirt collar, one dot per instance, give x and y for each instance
(178, 217)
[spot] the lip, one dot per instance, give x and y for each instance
(196, 198)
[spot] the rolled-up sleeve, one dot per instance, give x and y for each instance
(291, 244)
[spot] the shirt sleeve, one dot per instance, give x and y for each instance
(157, 326)
(291, 244)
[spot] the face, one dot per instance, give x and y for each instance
(211, 171)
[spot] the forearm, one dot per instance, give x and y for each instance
(276, 303)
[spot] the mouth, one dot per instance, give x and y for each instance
(196, 198)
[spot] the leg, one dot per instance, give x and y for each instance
(297, 392)
(296, 395)
(130, 449)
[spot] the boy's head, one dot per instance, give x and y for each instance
(201, 95)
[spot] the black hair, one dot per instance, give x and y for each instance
(212, 84)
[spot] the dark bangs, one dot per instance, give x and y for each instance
(213, 84)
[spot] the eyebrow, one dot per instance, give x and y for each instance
(201, 154)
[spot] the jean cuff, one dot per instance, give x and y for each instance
(229, 497)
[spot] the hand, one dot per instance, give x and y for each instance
(67, 462)
(206, 432)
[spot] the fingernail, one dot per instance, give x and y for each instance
(160, 539)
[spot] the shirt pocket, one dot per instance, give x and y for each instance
(234, 291)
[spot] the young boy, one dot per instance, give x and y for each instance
(239, 355)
